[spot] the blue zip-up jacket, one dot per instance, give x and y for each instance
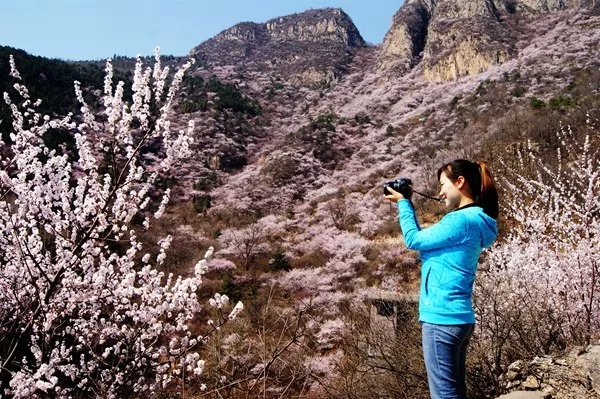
(450, 252)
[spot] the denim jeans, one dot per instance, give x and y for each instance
(445, 353)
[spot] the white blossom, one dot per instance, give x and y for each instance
(236, 310)
(92, 317)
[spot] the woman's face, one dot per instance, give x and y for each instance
(449, 191)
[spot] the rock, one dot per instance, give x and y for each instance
(574, 376)
(531, 383)
(464, 39)
(516, 366)
(561, 362)
(511, 375)
(589, 362)
(539, 6)
(404, 43)
(451, 39)
(525, 395)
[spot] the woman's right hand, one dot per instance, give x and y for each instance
(394, 195)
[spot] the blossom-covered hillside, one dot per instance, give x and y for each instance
(305, 215)
(279, 204)
(313, 160)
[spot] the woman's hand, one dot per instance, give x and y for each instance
(394, 195)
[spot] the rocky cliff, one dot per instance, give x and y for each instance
(450, 39)
(404, 43)
(309, 47)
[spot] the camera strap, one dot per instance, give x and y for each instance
(427, 196)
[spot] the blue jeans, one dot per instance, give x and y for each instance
(445, 353)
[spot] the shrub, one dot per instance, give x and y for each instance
(82, 312)
(454, 102)
(561, 102)
(202, 203)
(208, 179)
(518, 91)
(229, 97)
(389, 130)
(268, 357)
(323, 121)
(279, 261)
(539, 288)
(380, 357)
(536, 103)
(362, 118)
(189, 106)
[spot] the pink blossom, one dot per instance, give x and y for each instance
(85, 315)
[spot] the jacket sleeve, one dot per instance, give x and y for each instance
(449, 231)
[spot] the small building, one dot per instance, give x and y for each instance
(400, 306)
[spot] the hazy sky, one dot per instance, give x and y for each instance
(97, 29)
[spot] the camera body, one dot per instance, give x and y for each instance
(403, 185)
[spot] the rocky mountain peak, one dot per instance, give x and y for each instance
(248, 32)
(452, 38)
(310, 47)
(329, 24)
(451, 10)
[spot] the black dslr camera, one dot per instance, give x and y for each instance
(403, 185)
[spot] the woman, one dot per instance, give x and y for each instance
(449, 252)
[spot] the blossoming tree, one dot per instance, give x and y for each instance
(539, 289)
(83, 311)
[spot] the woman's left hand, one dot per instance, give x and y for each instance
(394, 195)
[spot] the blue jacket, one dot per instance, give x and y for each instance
(449, 251)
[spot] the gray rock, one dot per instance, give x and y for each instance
(404, 43)
(525, 395)
(575, 375)
(531, 383)
(516, 366)
(590, 363)
(512, 375)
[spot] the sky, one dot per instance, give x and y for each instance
(98, 29)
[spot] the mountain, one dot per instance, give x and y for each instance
(445, 71)
(298, 124)
(49, 79)
(310, 47)
(452, 38)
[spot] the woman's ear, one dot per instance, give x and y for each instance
(460, 182)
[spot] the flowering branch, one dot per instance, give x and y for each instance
(81, 310)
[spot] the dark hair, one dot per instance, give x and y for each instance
(480, 181)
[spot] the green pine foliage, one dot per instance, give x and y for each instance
(227, 97)
(279, 261)
(51, 80)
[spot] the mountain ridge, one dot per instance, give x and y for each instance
(325, 38)
(454, 39)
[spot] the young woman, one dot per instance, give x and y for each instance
(449, 252)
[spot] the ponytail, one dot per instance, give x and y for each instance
(480, 181)
(488, 195)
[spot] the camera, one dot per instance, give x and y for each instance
(403, 185)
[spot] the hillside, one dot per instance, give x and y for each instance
(298, 125)
(50, 80)
(309, 197)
